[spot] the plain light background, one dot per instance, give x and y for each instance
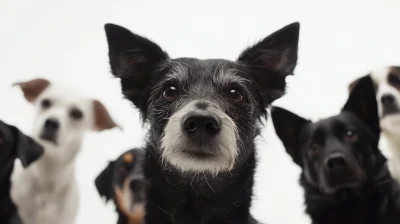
(64, 41)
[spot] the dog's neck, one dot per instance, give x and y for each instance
(352, 205)
(175, 197)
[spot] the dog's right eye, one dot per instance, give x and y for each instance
(46, 103)
(170, 93)
(313, 147)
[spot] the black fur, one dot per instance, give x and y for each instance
(259, 74)
(116, 174)
(359, 189)
(13, 144)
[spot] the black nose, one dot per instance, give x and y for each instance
(51, 124)
(199, 122)
(335, 162)
(387, 99)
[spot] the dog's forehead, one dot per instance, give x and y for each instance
(192, 69)
(380, 75)
(63, 96)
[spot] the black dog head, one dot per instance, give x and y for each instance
(337, 152)
(203, 113)
(14, 144)
(123, 181)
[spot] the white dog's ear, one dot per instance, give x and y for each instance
(33, 88)
(102, 119)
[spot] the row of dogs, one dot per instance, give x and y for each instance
(198, 162)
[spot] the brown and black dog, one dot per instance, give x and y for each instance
(123, 181)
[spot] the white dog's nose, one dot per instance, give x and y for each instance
(51, 124)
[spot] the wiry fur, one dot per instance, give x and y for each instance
(195, 180)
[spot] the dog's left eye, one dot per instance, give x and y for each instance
(235, 95)
(350, 135)
(170, 93)
(76, 114)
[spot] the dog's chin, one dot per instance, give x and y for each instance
(390, 124)
(199, 162)
(48, 138)
(330, 185)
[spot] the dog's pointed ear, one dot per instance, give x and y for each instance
(28, 150)
(272, 59)
(288, 127)
(103, 182)
(102, 119)
(362, 103)
(33, 88)
(133, 59)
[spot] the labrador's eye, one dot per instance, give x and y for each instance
(350, 136)
(313, 147)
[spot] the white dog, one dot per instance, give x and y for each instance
(46, 192)
(387, 87)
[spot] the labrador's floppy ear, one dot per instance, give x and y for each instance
(102, 119)
(28, 150)
(103, 182)
(288, 127)
(271, 60)
(33, 88)
(362, 103)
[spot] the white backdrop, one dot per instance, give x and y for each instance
(64, 41)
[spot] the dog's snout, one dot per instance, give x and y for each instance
(201, 122)
(51, 124)
(387, 99)
(335, 162)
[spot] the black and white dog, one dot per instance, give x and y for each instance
(387, 89)
(123, 182)
(13, 144)
(344, 174)
(204, 116)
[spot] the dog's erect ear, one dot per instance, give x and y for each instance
(352, 84)
(32, 89)
(362, 103)
(133, 59)
(102, 119)
(28, 150)
(288, 127)
(103, 182)
(272, 59)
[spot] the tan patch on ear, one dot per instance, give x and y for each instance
(352, 84)
(32, 89)
(128, 158)
(134, 217)
(102, 119)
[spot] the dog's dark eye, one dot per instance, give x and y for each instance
(313, 147)
(350, 135)
(76, 114)
(394, 79)
(236, 95)
(46, 103)
(170, 93)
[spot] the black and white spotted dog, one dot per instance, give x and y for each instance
(204, 116)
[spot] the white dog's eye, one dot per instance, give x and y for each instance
(46, 103)
(76, 114)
